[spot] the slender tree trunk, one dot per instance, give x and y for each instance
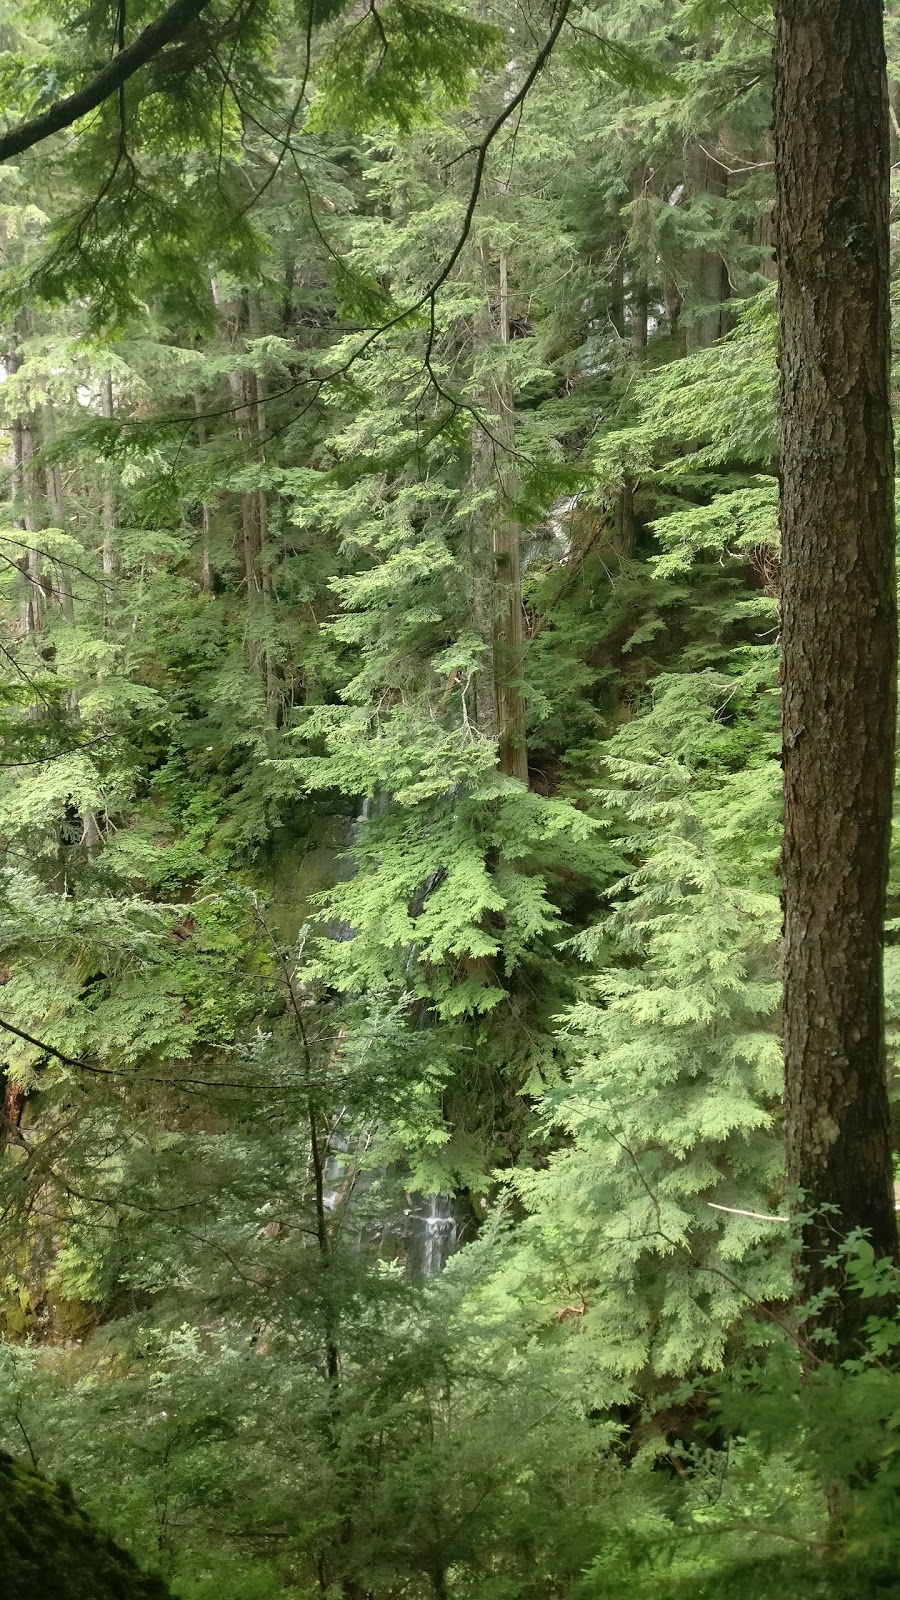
(56, 501)
(55, 497)
(17, 478)
(110, 510)
(482, 569)
(29, 493)
(894, 112)
(509, 646)
(17, 474)
(639, 318)
(616, 309)
(263, 522)
(351, 1588)
(438, 1576)
(31, 562)
(317, 1159)
(498, 562)
(206, 570)
(839, 644)
(243, 392)
(13, 1108)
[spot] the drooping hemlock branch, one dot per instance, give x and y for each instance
(123, 66)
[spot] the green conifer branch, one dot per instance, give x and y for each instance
(113, 77)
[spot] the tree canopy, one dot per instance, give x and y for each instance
(395, 628)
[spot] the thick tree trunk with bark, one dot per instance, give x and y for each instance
(839, 643)
(705, 269)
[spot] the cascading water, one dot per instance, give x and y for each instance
(434, 1234)
(423, 1234)
(426, 1232)
(347, 864)
(336, 1171)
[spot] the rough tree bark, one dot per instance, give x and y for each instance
(839, 629)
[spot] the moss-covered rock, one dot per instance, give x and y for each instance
(51, 1550)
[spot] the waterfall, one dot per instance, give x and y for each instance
(422, 1235)
(336, 1171)
(426, 1232)
(434, 1234)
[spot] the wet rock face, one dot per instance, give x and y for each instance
(51, 1550)
(424, 1233)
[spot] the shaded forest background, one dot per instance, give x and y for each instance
(392, 1179)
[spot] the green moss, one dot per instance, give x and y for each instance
(52, 1318)
(300, 872)
(70, 1320)
(50, 1550)
(16, 1319)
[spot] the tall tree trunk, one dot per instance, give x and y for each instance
(640, 294)
(32, 563)
(509, 645)
(894, 112)
(616, 304)
(481, 565)
(243, 391)
(705, 269)
(498, 564)
(206, 569)
(27, 501)
(13, 1109)
(625, 521)
(110, 510)
(56, 500)
(839, 629)
(274, 704)
(17, 478)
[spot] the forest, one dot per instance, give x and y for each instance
(449, 910)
